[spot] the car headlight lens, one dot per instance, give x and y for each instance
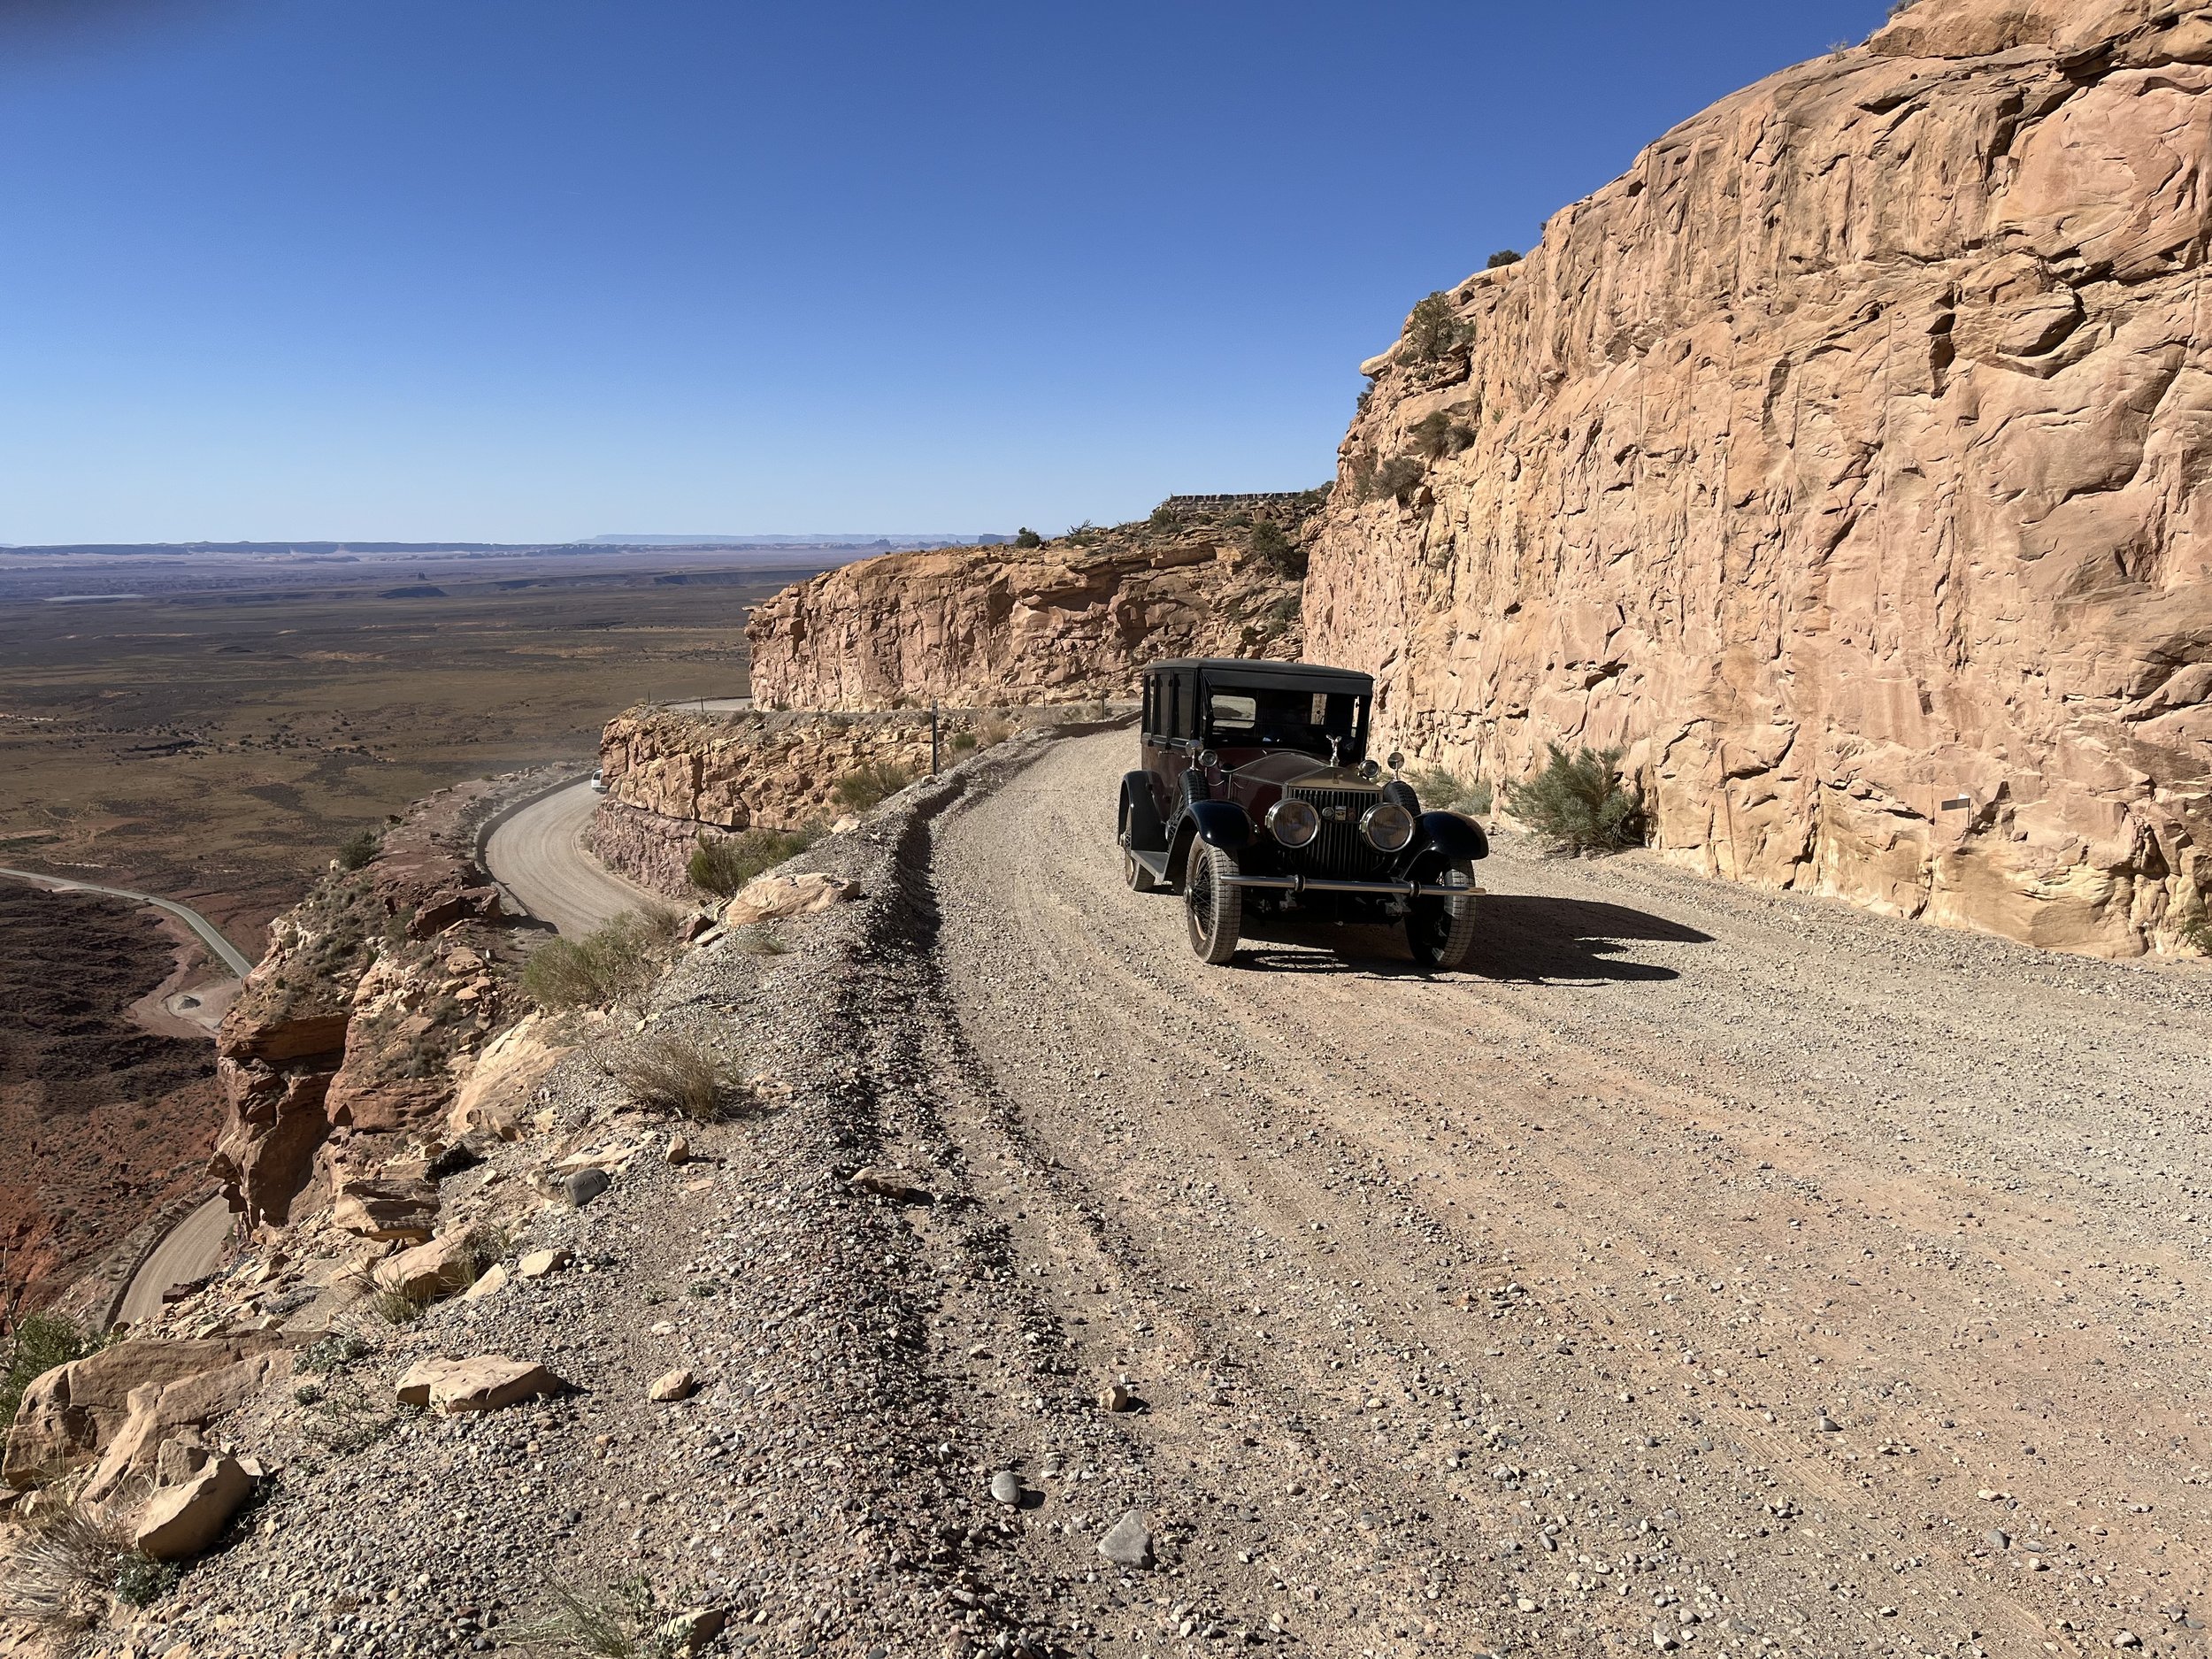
(1387, 827)
(1293, 823)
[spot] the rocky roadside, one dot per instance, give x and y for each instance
(806, 1477)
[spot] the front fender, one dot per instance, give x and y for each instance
(1139, 818)
(1451, 836)
(1222, 824)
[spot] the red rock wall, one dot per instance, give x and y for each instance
(1848, 455)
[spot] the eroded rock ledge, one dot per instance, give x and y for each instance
(1068, 621)
(1846, 458)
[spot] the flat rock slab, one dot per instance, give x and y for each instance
(451, 1387)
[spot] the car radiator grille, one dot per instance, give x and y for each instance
(1340, 850)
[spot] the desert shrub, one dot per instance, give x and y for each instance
(63, 1570)
(1503, 257)
(394, 1306)
(723, 865)
(2197, 931)
(1434, 330)
(36, 1344)
(1448, 791)
(620, 961)
(1578, 802)
(624, 1621)
(1026, 537)
(669, 1073)
(141, 1580)
(963, 743)
(1395, 478)
(1438, 435)
(1279, 548)
(871, 784)
(333, 1353)
(991, 730)
(359, 849)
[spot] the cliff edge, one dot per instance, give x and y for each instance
(1846, 462)
(1066, 620)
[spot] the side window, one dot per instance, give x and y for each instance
(1185, 704)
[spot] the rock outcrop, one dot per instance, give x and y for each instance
(671, 776)
(364, 1018)
(1071, 619)
(1846, 463)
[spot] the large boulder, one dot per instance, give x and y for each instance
(70, 1416)
(439, 1267)
(384, 1208)
(186, 1520)
(499, 1085)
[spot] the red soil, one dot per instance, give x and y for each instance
(101, 1119)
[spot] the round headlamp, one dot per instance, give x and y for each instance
(1292, 823)
(1387, 827)
(1209, 758)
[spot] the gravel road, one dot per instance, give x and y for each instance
(1705, 1267)
(192, 1249)
(538, 856)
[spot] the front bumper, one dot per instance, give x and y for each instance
(1376, 889)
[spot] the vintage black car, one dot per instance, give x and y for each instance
(1255, 797)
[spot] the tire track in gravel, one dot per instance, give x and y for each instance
(1417, 1274)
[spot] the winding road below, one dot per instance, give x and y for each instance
(538, 856)
(1708, 1267)
(205, 931)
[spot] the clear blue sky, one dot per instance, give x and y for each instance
(512, 269)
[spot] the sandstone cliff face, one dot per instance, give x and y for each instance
(671, 776)
(1846, 457)
(1068, 621)
(378, 988)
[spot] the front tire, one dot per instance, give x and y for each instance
(1136, 875)
(1214, 908)
(1441, 933)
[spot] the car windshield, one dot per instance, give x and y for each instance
(1267, 718)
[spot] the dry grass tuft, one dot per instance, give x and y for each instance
(68, 1566)
(669, 1073)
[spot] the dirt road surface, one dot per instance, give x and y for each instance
(193, 1249)
(1706, 1269)
(538, 856)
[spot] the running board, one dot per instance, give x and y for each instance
(1155, 864)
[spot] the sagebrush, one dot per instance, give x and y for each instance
(724, 864)
(1580, 803)
(619, 961)
(359, 849)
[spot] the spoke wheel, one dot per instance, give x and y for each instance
(1441, 933)
(1214, 909)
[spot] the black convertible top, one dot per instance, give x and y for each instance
(1251, 671)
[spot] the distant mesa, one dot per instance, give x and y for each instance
(413, 590)
(90, 599)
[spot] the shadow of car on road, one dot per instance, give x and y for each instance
(1523, 938)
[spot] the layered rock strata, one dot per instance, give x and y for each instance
(673, 776)
(1846, 462)
(1071, 619)
(364, 1016)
